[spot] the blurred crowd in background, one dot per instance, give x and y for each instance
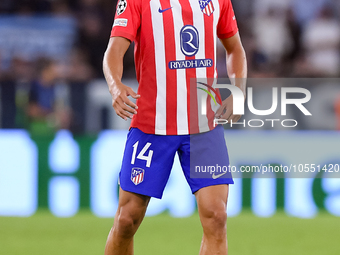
(46, 92)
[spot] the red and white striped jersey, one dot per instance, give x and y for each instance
(175, 41)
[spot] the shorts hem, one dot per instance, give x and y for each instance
(141, 192)
(211, 184)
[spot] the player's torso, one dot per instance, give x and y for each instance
(176, 43)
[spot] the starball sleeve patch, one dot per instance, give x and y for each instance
(121, 7)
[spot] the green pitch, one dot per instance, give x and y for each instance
(162, 235)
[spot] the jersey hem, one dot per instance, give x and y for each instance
(163, 132)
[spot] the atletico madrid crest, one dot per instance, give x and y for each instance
(207, 7)
(137, 175)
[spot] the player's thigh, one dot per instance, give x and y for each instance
(215, 196)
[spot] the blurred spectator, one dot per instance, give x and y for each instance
(79, 75)
(6, 6)
(305, 10)
(295, 32)
(321, 41)
(336, 4)
(95, 19)
(45, 115)
(21, 72)
(272, 38)
(7, 99)
(262, 7)
(60, 8)
(93, 40)
(27, 7)
(90, 5)
(7, 103)
(12, 101)
(79, 68)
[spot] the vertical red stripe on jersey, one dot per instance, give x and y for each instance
(209, 44)
(190, 74)
(146, 77)
(171, 75)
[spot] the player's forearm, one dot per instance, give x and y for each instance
(113, 62)
(237, 67)
(236, 61)
(113, 69)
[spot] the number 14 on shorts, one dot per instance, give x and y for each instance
(142, 153)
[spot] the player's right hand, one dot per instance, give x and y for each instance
(123, 106)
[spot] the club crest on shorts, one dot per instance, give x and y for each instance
(207, 7)
(137, 175)
(121, 7)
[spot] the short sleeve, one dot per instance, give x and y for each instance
(227, 25)
(127, 19)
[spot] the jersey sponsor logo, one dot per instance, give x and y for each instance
(189, 40)
(207, 7)
(120, 22)
(121, 7)
(137, 175)
(161, 11)
(193, 63)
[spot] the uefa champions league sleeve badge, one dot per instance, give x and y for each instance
(121, 7)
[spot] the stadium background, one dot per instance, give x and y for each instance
(58, 168)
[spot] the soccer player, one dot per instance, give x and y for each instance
(175, 43)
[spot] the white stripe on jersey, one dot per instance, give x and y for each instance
(200, 72)
(158, 31)
(216, 15)
(182, 104)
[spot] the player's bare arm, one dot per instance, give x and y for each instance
(113, 71)
(237, 72)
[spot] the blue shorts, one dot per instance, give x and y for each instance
(148, 160)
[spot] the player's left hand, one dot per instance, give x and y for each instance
(225, 111)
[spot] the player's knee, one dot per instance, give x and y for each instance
(126, 225)
(215, 220)
(219, 220)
